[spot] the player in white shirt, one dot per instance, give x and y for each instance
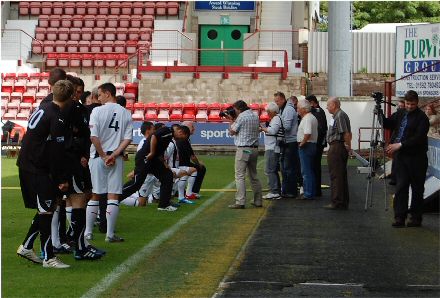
(111, 132)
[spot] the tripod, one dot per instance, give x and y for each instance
(377, 144)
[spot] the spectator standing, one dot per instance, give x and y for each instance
(409, 151)
(339, 138)
(273, 133)
(245, 130)
(307, 138)
(434, 120)
(289, 150)
(321, 143)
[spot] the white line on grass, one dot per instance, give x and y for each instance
(123, 268)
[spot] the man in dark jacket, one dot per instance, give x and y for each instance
(410, 126)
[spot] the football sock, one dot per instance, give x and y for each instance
(91, 214)
(102, 211)
(33, 232)
(78, 226)
(181, 186)
(46, 242)
(54, 231)
(112, 215)
(191, 181)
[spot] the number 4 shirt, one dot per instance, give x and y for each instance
(111, 124)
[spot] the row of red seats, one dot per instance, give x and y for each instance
(96, 21)
(25, 97)
(17, 111)
(116, 47)
(37, 76)
(86, 60)
(77, 34)
(102, 8)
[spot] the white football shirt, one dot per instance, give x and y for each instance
(112, 124)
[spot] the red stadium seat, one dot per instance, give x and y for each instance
(189, 111)
(264, 117)
(131, 47)
(46, 8)
(48, 46)
(112, 21)
(110, 34)
(86, 33)
(16, 97)
(63, 60)
(84, 46)
(214, 111)
(55, 21)
(75, 60)
(75, 34)
(132, 88)
(130, 97)
(119, 46)
(58, 8)
(99, 60)
(51, 34)
(98, 34)
(43, 21)
(89, 21)
(121, 34)
(107, 46)
(129, 106)
(145, 34)
(151, 111)
(28, 97)
(81, 8)
(60, 46)
(63, 34)
(19, 87)
(150, 8)
(66, 21)
(40, 33)
(161, 8)
(124, 21)
(32, 86)
(139, 108)
(142, 44)
(92, 8)
(202, 112)
(163, 111)
(135, 21)
(133, 33)
(122, 60)
(176, 111)
(23, 8)
(78, 21)
(5, 96)
(147, 21)
(138, 8)
(126, 8)
(111, 60)
(255, 107)
(87, 60)
(35, 76)
(101, 21)
(95, 46)
(8, 116)
(22, 76)
(72, 46)
(69, 8)
(104, 8)
(172, 8)
(137, 117)
(115, 8)
(40, 96)
(43, 87)
(35, 105)
(35, 8)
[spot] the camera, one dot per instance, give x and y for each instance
(378, 96)
(228, 112)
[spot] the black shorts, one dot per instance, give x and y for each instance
(80, 182)
(38, 191)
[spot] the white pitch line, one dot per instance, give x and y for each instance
(330, 284)
(123, 268)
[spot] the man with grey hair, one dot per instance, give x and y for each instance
(339, 139)
(307, 137)
(273, 133)
(245, 130)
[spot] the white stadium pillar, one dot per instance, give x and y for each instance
(339, 48)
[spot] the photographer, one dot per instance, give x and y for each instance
(410, 126)
(245, 130)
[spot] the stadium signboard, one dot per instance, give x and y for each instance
(434, 157)
(418, 47)
(224, 5)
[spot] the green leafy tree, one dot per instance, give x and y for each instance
(367, 12)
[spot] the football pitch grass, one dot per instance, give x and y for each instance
(166, 254)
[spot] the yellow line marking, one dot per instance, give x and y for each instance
(11, 187)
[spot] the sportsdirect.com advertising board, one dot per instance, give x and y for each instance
(418, 47)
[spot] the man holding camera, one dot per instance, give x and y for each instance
(245, 130)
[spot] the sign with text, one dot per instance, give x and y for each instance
(205, 134)
(434, 157)
(418, 47)
(225, 5)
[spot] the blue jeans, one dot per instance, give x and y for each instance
(289, 164)
(307, 155)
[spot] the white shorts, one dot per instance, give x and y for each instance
(106, 179)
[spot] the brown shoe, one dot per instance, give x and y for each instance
(236, 206)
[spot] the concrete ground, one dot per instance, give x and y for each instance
(301, 249)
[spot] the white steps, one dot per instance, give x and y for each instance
(16, 44)
(170, 39)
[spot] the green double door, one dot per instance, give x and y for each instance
(227, 37)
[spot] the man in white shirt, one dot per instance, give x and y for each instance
(111, 132)
(307, 138)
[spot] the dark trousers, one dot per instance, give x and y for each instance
(289, 169)
(337, 158)
(201, 171)
(317, 169)
(410, 170)
(158, 169)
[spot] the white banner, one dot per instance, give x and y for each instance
(418, 47)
